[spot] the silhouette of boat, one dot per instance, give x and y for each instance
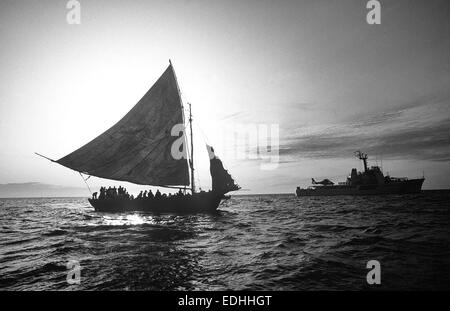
(370, 182)
(148, 146)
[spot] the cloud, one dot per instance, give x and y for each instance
(415, 131)
(233, 116)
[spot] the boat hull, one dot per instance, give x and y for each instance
(400, 187)
(203, 202)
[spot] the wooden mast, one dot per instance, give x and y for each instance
(191, 162)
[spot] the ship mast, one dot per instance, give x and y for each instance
(191, 161)
(363, 157)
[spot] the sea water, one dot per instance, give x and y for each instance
(260, 242)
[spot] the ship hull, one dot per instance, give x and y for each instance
(400, 187)
(203, 202)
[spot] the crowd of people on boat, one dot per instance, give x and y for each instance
(122, 193)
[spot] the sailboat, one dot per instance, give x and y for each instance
(149, 146)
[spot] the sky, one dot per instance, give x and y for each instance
(330, 82)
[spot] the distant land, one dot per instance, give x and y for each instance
(36, 189)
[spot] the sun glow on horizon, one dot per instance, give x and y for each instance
(315, 66)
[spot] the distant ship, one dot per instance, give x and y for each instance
(140, 149)
(370, 182)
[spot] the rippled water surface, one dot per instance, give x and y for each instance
(269, 242)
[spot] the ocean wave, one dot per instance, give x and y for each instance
(253, 242)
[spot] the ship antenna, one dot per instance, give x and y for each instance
(363, 157)
(382, 162)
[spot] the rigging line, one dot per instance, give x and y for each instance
(44, 157)
(192, 149)
(205, 139)
(85, 181)
(171, 187)
(186, 144)
(188, 152)
(196, 175)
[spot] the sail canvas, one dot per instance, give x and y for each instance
(137, 148)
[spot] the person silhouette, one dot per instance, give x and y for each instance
(158, 194)
(150, 194)
(102, 193)
(114, 192)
